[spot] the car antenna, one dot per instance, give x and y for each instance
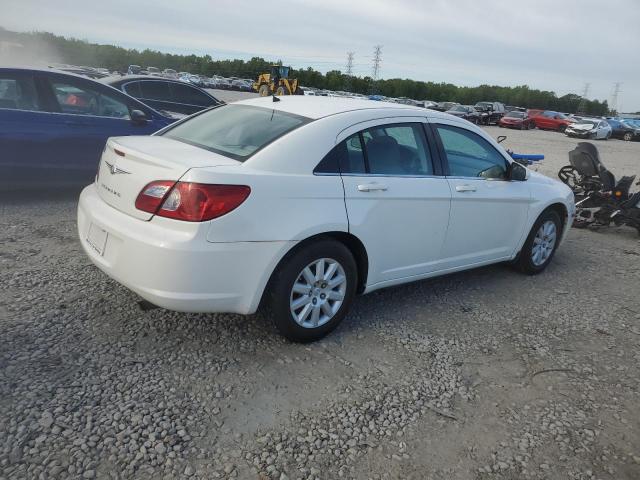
(275, 99)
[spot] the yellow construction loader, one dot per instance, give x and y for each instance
(277, 82)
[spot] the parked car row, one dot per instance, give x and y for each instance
(231, 83)
(573, 125)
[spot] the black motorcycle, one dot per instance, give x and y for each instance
(600, 200)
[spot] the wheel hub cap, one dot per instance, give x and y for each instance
(543, 243)
(318, 293)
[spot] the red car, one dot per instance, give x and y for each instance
(516, 119)
(550, 120)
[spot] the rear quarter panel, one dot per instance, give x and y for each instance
(280, 207)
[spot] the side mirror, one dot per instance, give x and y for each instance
(138, 117)
(517, 172)
(501, 138)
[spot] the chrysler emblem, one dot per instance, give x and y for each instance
(113, 169)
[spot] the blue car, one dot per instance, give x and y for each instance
(53, 126)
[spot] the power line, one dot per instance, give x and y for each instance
(350, 63)
(349, 72)
(613, 107)
(583, 101)
(377, 62)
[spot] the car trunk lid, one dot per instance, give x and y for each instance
(130, 163)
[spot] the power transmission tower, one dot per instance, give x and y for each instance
(613, 106)
(583, 102)
(377, 62)
(349, 72)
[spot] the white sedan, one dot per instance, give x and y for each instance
(300, 203)
(593, 128)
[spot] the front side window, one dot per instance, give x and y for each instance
(470, 155)
(236, 131)
(18, 93)
(79, 100)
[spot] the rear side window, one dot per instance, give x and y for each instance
(345, 157)
(18, 93)
(236, 131)
(399, 149)
(133, 89)
(152, 90)
(190, 95)
(470, 155)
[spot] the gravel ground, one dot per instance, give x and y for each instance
(478, 375)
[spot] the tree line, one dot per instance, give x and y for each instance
(81, 52)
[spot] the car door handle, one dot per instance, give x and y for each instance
(371, 187)
(465, 188)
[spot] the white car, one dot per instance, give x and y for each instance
(299, 203)
(593, 128)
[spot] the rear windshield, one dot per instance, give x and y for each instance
(236, 131)
(515, 115)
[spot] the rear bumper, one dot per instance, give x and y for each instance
(176, 268)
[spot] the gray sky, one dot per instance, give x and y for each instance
(554, 45)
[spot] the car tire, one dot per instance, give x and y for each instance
(562, 128)
(532, 126)
(541, 244)
(627, 136)
(286, 297)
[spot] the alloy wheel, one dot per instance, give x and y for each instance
(318, 293)
(544, 243)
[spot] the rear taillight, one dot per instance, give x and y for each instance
(151, 196)
(191, 202)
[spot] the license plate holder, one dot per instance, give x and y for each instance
(97, 238)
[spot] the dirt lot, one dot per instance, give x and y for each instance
(478, 375)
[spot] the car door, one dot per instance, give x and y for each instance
(86, 114)
(488, 212)
(603, 129)
(25, 131)
(396, 198)
(545, 120)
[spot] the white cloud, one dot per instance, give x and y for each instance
(552, 45)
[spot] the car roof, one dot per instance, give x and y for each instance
(317, 106)
(118, 78)
(46, 70)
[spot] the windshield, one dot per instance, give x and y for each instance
(236, 131)
(458, 108)
(587, 123)
(515, 115)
